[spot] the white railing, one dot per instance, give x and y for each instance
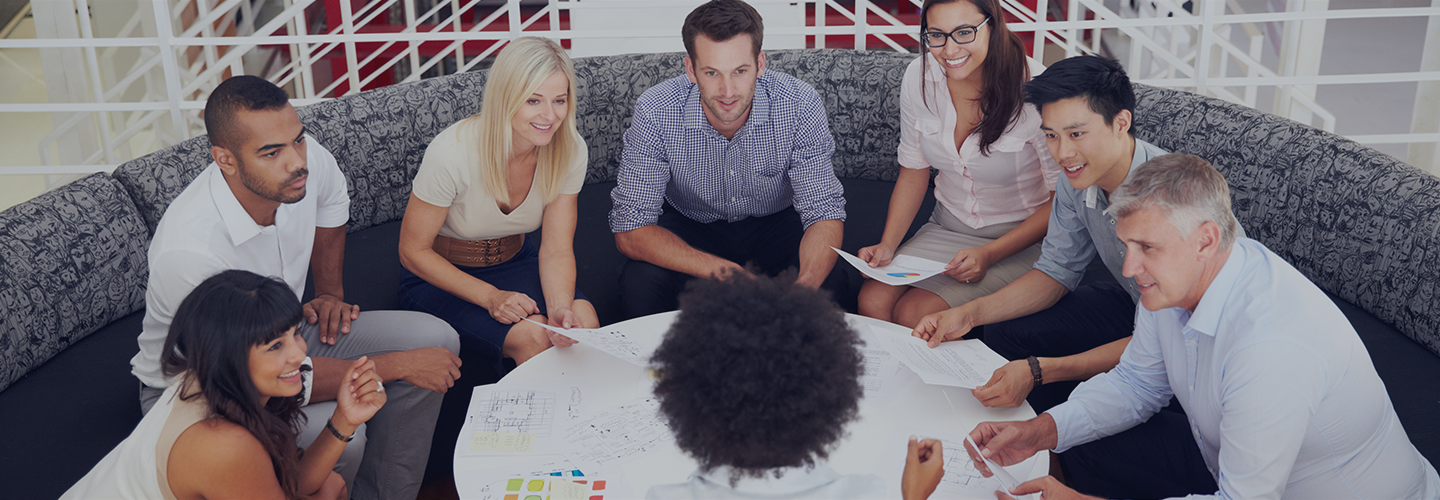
(141, 87)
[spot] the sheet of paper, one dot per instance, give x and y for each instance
(903, 269)
(618, 435)
(550, 488)
(515, 420)
(958, 363)
(884, 373)
(487, 479)
(1007, 481)
(612, 341)
(962, 479)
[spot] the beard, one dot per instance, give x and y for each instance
(274, 193)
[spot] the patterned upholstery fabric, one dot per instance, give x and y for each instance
(71, 261)
(1360, 224)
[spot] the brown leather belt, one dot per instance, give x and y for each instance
(480, 253)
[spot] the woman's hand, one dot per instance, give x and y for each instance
(510, 307)
(361, 395)
(924, 466)
(878, 255)
(969, 265)
(562, 318)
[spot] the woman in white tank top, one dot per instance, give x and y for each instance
(226, 427)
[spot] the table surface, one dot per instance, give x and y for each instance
(875, 443)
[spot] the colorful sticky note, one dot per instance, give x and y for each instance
(536, 485)
(514, 484)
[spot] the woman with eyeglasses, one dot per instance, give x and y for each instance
(962, 113)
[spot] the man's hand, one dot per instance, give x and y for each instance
(1009, 443)
(969, 265)
(728, 269)
(950, 324)
(878, 255)
(509, 307)
(1008, 386)
(1048, 487)
(924, 466)
(333, 315)
(432, 368)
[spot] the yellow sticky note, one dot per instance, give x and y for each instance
(561, 489)
(502, 441)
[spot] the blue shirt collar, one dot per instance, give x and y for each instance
(1211, 308)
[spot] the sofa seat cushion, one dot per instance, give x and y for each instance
(72, 260)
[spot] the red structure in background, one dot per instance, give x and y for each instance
(903, 10)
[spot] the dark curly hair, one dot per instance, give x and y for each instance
(757, 374)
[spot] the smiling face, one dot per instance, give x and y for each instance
(1089, 151)
(960, 61)
(535, 123)
(726, 73)
(1169, 267)
(275, 366)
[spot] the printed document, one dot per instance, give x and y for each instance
(612, 341)
(903, 269)
(958, 363)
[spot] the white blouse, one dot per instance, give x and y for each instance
(1009, 185)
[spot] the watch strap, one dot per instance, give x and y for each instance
(1035, 370)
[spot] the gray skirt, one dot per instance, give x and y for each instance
(943, 235)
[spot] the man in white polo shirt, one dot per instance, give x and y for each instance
(275, 203)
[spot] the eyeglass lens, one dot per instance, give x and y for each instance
(961, 35)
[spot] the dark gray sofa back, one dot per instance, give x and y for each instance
(1360, 224)
(71, 261)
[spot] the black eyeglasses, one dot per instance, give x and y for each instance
(961, 35)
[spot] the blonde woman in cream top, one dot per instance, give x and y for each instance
(487, 181)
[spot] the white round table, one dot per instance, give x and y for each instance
(876, 442)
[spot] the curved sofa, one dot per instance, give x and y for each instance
(1363, 226)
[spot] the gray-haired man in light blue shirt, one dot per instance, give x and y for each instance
(1279, 392)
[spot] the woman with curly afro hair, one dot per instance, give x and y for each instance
(758, 378)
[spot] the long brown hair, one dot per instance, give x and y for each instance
(209, 343)
(1001, 100)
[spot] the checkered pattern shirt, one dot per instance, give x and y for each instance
(779, 158)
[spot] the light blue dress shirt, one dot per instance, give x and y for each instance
(1281, 395)
(818, 483)
(1080, 228)
(779, 158)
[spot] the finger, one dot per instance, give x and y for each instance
(937, 451)
(309, 311)
(955, 262)
(977, 460)
(1036, 485)
(354, 311)
(912, 455)
(345, 320)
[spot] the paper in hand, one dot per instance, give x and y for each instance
(612, 341)
(903, 269)
(1006, 480)
(958, 363)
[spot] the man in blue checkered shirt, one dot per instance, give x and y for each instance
(724, 166)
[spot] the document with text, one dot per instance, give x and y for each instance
(958, 363)
(612, 341)
(902, 270)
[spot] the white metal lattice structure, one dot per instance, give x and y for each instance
(140, 85)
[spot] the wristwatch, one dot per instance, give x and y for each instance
(1035, 370)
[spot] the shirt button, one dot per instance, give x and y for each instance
(732, 198)
(732, 172)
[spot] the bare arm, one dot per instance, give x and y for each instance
(1012, 383)
(659, 246)
(1034, 291)
(417, 235)
(816, 257)
(557, 253)
(1023, 236)
(905, 202)
(327, 263)
(195, 470)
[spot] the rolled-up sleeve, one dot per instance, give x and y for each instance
(909, 154)
(818, 193)
(644, 172)
(1067, 248)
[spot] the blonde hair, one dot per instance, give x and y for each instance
(519, 70)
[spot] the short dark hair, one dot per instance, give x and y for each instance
(250, 93)
(1102, 81)
(757, 374)
(721, 20)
